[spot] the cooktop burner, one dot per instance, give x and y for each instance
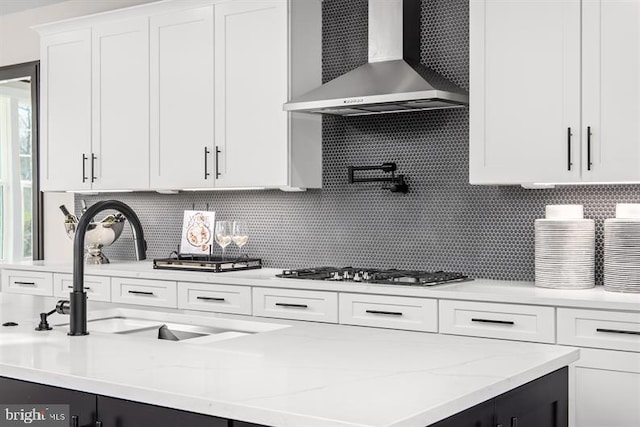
(368, 275)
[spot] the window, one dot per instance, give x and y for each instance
(20, 198)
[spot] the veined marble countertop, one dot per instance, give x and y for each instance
(506, 291)
(304, 375)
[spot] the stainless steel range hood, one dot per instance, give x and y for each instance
(393, 80)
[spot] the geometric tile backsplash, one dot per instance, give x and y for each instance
(442, 223)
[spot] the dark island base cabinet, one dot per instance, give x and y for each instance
(540, 403)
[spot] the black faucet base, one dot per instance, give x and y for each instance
(78, 321)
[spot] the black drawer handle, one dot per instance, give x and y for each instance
(211, 298)
(88, 288)
(618, 331)
(497, 322)
(25, 283)
(385, 313)
(140, 292)
(285, 304)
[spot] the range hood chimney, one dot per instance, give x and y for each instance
(393, 80)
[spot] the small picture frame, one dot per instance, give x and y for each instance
(197, 232)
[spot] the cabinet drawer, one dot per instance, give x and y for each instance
(218, 298)
(296, 304)
(505, 321)
(27, 282)
(157, 293)
(416, 314)
(98, 288)
(601, 329)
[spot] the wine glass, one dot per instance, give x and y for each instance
(240, 234)
(223, 234)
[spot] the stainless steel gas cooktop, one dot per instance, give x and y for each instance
(369, 275)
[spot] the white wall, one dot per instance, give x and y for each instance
(18, 43)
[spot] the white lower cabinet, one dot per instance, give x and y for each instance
(496, 320)
(27, 282)
(605, 382)
(317, 306)
(212, 297)
(383, 311)
(604, 389)
(156, 293)
(98, 288)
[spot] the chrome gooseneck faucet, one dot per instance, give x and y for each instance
(78, 298)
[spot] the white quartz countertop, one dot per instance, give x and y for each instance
(506, 291)
(307, 374)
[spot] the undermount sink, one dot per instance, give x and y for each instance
(191, 329)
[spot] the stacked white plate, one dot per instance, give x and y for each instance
(622, 250)
(565, 250)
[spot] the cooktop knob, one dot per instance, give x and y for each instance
(356, 277)
(336, 276)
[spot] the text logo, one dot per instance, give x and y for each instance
(34, 415)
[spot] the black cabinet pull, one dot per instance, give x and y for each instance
(218, 162)
(588, 148)
(86, 287)
(210, 298)
(84, 168)
(93, 167)
(25, 283)
(206, 166)
(386, 313)
(284, 304)
(498, 322)
(140, 293)
(74, 421)
(618, 331)
(514, 422)
(569, 134)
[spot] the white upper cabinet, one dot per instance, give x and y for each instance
(611, 90)
(555, 91)
(95, 107)
(182, 99)
(251, 85)
(525, 91)
(65, 116)
(120, 105)
(182, 95)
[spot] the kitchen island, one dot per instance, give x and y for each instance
(305, 374)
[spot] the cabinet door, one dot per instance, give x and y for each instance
(478, 416)
(123, 413)
(81, 405)
(540, 403)
(611, 90)
(251, 86)
(525, 91)
(181, 96)
(121, 105)
(66, 111)
(606, 389)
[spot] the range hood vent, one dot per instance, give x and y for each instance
(393, 81)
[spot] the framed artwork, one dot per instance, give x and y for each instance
(197, 232)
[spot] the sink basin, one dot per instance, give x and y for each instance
(192, 329)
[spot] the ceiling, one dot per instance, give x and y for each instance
(12, 6)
